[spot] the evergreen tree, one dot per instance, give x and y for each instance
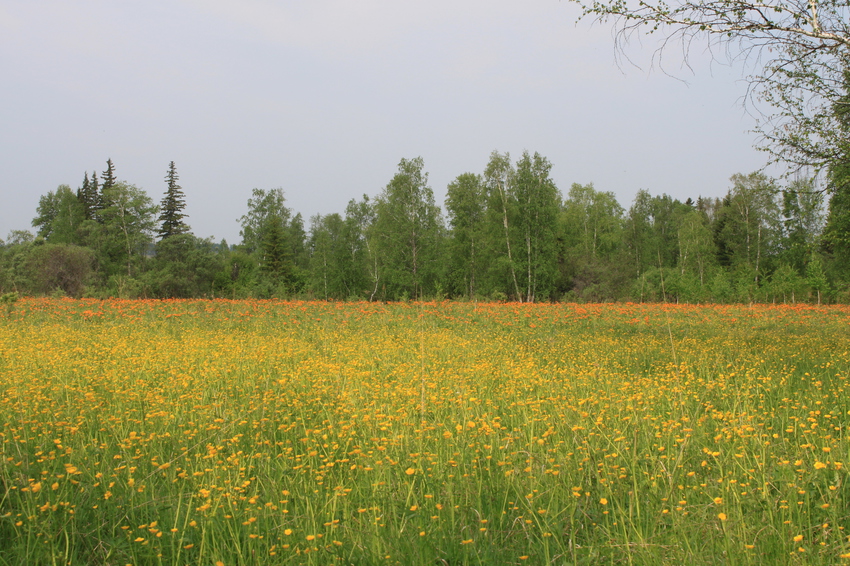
(276, 259)
(94, 198)
(173, 203)
(299, 255)
(108, 177)
(84, 196)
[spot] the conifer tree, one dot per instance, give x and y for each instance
(109, 180)
(276, 259)
(94, 197)
(83, 196)
(172, 207)
(108, 176)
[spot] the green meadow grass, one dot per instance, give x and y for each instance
(262, 432)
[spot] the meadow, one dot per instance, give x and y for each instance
(268, 432)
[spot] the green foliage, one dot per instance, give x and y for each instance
(300, 255)
(333, 271)
(126, 229)
(58, 267)
(510, 236)
(836, 237)
(108, 177)
(409, 227)
(537, 210)
(802, 222)
(184, 266)
(262, 206)
(276, 258)
(501, 234)
(591, 240)
(816, 277)
(171, 210)
(8, 301)
(466, 209)
(60, 216)
(697, 251)
(786, 285)
(361, 265)
(750, 226)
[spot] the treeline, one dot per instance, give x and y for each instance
(507, 233)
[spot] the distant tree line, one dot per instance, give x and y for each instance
(507, 234)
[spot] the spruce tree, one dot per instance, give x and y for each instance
(109, 180)
(276, 259)
(94, 198)
(172, 207)
(108, 176)
(83, 195)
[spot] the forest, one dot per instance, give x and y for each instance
(505, 234)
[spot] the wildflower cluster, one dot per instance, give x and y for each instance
(290, 432)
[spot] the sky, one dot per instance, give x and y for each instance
(324, 98)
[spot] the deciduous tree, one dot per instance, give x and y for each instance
(538, 206)
(60, 214)
(409, 227)
(466, 206)
(128, 222)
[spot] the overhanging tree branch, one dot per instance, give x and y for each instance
(799, 50)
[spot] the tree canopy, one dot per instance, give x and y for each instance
(512, 234)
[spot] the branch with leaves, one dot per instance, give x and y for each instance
(799, 51)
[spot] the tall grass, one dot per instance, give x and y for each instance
(192, 432)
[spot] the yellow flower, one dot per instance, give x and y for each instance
(410, 471)
(798, 538)
(603, 501)
(721, 516)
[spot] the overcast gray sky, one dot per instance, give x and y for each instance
(323, 99)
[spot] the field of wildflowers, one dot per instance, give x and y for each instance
(265, 432)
